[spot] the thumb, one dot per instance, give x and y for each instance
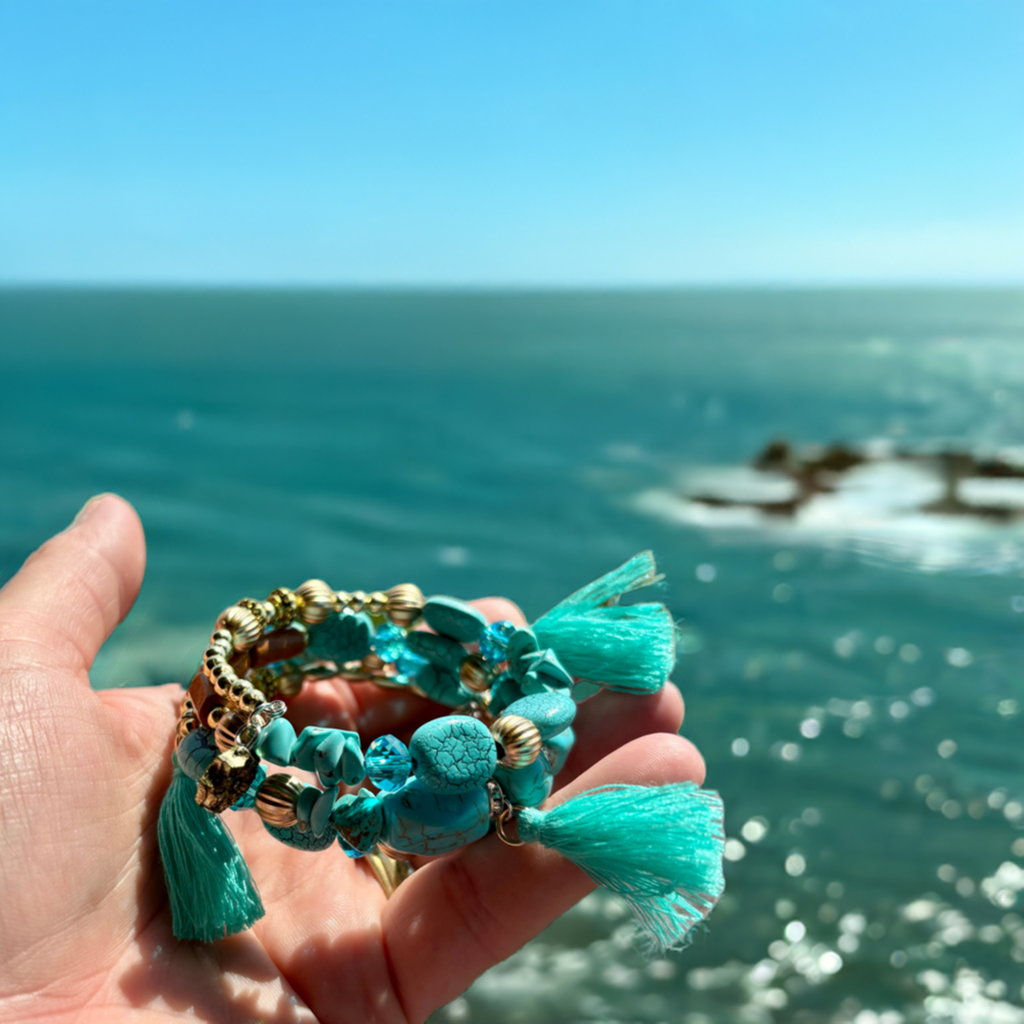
(71, 593)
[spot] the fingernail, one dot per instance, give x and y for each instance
(87, 509)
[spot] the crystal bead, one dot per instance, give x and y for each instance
(388, 763)
(389, 643)
(409, 665)
(494, 642)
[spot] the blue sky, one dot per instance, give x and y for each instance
(474, 142)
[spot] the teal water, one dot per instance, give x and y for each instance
(855, 687)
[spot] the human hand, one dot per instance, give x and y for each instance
(85, 929)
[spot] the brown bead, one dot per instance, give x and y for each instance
(475, 674)
(225, 734)
(245, 625)
(316, 601)
(519, 738)
(404, 604)
(227, 778)
(277, 799)
(203, 696)
(280, 645)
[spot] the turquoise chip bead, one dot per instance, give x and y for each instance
(304, 806)
(494, 642)
(529, 786)
(523, 641)
(344, 637)
(320, 816)
(276, 742)
(388, 763)
(359, 821)
(454, 618)
(454, 754)
(389, 643)
(248, 798)
(350, 851)
(557, 749)
(550, 712)
(438, 650)
(504, 692)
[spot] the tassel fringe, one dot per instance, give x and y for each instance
(211, 891)
(657, 847)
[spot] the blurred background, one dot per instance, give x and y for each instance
(491, 296)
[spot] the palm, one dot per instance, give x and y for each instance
(85, 930)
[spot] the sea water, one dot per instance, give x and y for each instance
(855, 685)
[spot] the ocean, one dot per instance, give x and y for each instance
(852, 672)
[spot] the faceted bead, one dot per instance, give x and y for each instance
(494, 642)
(249, 797)
(409, 665)
(388, 763)
(389, 643)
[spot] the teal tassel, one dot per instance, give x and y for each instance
(211, 891)
(631, 648)
(658, 847)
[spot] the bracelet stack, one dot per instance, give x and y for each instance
(488, 765)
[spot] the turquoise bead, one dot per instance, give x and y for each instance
(344, 637)
(494, 642)
(454, 754)
(443, 686)
(359, 820)
(552, 672)
(550, 712)
(454, 618)
(276, 742)
(248, 798)
(556, 750)
(294, 837)
(523, 641)
(529, 786)
(388, 763)
(409, 665)
(438, 650)
(418, 821)
(305, 804)
(504, 692)
(584, 690)
(320, 816)
(389, 643)
(196, 751)
(334, 754)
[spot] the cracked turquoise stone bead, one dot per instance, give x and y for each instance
(454, 754)
(341, 638)
(438, 650)
(550, 712)
(359, 820)
(556, 750)
(529, 786)
(195, 752)
(334, 754)
(443, 686)
(419, 821)
(294, 837)
(454, 618)
(276, 742)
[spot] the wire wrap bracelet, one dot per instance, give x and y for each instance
(489, 765)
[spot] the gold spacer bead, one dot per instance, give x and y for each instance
(277, 799)
(222, 642)
(376, 602)
(215, 715)
(357, 600)
(373, 662)
(222, 677)
(245, 625)
(475, 674)
(238, 687)
(251, 700)
(186, 705)
(316, 601)
(519, 738)
(342, 600)
(285, 605)
(404, 604)
(227, 729)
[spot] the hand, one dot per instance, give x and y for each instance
(85, 930)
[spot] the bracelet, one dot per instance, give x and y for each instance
(488, 765)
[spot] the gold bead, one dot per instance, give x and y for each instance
(342, 600)
(519, 739)
(226, 779)
(251, 699)
(373, 662)
(245, 625)
(316, 601)
(238, 687)
(226, 731)
(186, 706)
(277, 799)
(404, 604)
(222, 677)
(376, 602)
(285, 604)
(186, 725)
(357, 600)
(222, 642)
(476, 674)
(215, 715)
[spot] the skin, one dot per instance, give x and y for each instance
(85, 928)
